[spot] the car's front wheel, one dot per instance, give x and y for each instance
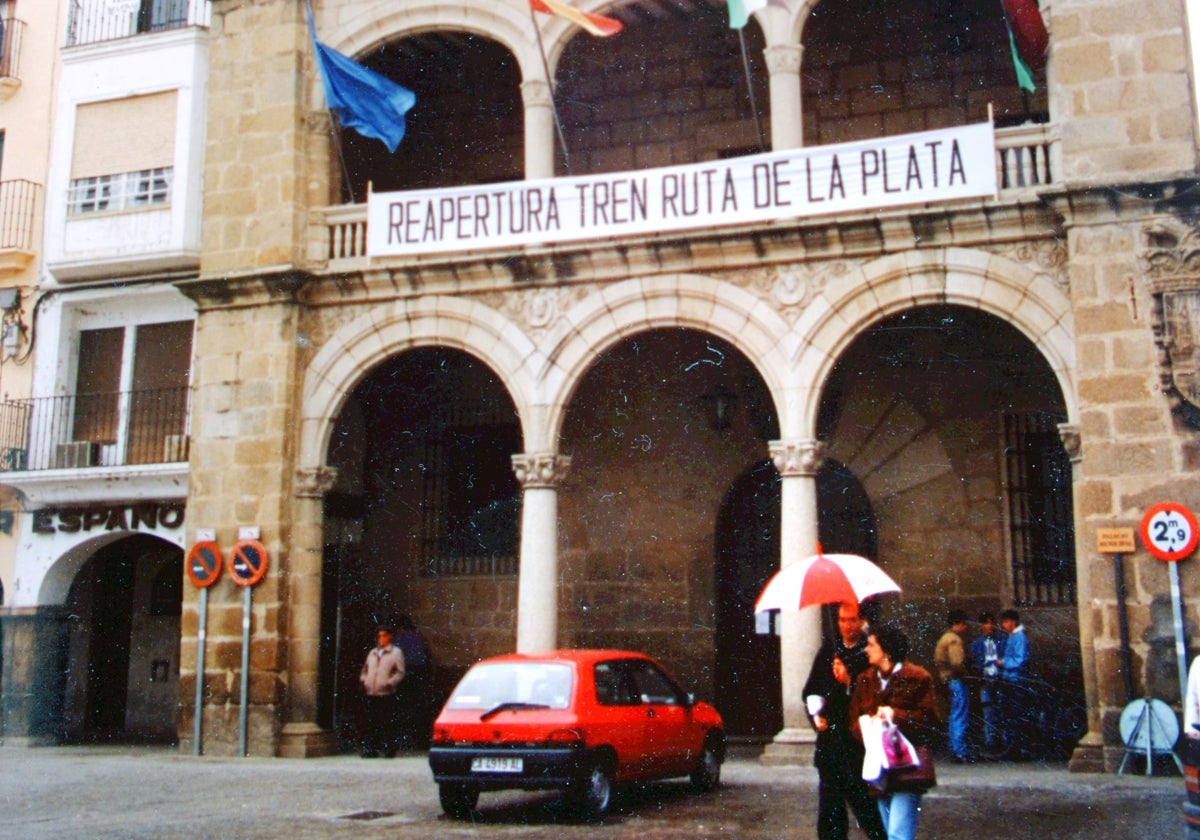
(706, 775)
(458, 800)
(595, 792)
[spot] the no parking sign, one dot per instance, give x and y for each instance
(247, 562)
(203, 563)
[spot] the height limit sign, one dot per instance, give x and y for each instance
(1169, 531)
(247, 562)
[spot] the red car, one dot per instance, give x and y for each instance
(581, 721)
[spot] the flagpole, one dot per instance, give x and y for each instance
(762, 140)
(562, 139)
(334, 126)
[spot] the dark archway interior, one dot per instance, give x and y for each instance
(467, 126)
(947, 418)
(423, 521)
(126, 600)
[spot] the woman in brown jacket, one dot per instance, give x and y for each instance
(895, 691)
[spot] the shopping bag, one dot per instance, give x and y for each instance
(898, 751)
(872, 731)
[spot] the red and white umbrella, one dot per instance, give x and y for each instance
(824, 579)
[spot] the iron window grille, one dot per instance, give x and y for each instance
(1041, 530)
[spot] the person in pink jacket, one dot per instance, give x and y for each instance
(380, 677)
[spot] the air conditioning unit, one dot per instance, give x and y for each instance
(77, 453)
(175, 449)
(13, 459)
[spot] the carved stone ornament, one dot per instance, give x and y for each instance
(797, 458)
(543, 470)
(315, 482)
(1171, 258)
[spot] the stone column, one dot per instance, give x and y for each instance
(787, 118)
(1088, 756)
(537, 583)
(798, 462)
(301, 737)
(539, 129)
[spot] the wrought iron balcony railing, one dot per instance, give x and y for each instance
(94, 430)
(18, 202)
(93, 21)
(11, 31)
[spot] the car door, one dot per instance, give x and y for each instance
(619, 719)
(666, 720)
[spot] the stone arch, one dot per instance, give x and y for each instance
(373, 24)
(681, 300)
(56, 583)
(355, 349)
(1033, 303)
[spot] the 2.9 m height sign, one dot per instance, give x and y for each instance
(932, 166)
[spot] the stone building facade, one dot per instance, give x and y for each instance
(615, 442)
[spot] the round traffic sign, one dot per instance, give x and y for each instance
(247, 562)
(1169, 531)
(203, 563)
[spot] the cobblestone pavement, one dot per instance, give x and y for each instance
(109, 792)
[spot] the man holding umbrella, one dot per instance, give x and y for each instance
(839, 755)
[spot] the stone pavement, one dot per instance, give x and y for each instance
(130, 792)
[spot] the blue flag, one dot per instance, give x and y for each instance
(371, 104)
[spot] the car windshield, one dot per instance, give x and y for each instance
(522, 684)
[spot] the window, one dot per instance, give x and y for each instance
(629, 682)
(1040, 516)
(469, 522)
(127, 191)
(6, 32)
(157, 15)
(124, 153)
(131, 392)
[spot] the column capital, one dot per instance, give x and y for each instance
(797, 458)
(1072, 441)
(315, 482)
(544, 470)
(535, 93)
(784, 58)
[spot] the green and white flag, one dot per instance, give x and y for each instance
(740, 10)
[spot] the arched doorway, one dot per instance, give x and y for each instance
(422, 523)
(660, 426)
(748, 657)
(947, 416)
(123, 610)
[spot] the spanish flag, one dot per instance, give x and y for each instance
(597, 25)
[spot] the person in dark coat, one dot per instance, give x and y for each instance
(839, 756)
(413, 695)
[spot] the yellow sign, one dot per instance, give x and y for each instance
(1114, 541)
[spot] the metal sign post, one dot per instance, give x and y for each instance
(203, 565)
(1118, 542)
(247, 565)
(1169, 532)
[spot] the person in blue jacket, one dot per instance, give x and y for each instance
(1016, 709)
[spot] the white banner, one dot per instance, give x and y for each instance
(931, 166)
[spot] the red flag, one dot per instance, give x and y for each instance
(1029, 31)
(598, 25)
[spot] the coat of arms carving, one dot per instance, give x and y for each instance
(1171, 257)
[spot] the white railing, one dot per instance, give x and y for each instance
(1023, 160)
(1024, 155)
(93, 21)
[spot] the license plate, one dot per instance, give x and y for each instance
(491, 764)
